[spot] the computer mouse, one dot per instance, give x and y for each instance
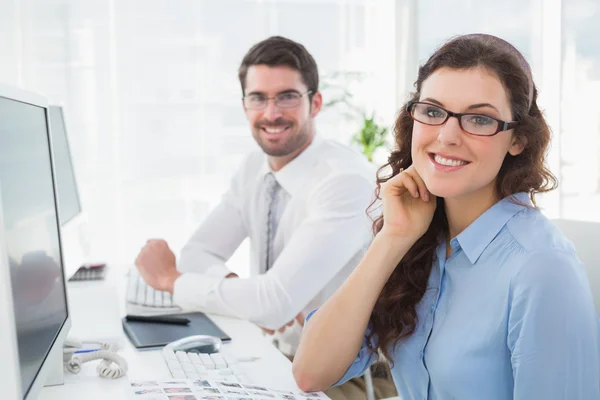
(197, 344)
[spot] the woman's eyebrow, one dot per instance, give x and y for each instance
(471, 107)
(431, 100)
(481, 105)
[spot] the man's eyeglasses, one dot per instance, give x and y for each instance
(475, 124)
(282, 100)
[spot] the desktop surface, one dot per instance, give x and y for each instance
(272, 369)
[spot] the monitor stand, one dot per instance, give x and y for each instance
(57, 374)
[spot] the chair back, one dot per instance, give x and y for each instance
(585, 236)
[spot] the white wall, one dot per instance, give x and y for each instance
(155, 118)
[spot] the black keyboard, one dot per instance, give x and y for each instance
(93, 273)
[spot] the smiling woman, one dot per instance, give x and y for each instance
(439, 143)
(467, 289)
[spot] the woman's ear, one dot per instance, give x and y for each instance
(518, 145)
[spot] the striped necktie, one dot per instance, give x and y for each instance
(271, 190)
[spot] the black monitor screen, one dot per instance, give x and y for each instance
(68, 198)
(31, 233)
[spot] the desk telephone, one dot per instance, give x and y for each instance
(106, 353)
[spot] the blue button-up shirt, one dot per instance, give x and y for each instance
(509, 315)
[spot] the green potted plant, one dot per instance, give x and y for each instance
(371, 135)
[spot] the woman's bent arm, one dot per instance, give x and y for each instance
(333, 337)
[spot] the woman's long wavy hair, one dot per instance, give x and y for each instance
(394, 317)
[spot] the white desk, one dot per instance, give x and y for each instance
(273, 369)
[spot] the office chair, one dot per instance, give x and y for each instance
(369, 383)
(585, 236)
(369, 388)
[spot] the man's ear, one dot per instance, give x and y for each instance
(316, 104)
(518, 145)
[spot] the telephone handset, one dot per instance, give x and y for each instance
(107, 354)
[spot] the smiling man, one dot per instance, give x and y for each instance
(300, 199)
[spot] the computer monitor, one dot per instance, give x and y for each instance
(69, 205)
(73, 220)
(34, 315)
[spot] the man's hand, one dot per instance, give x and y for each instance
(156, 263)
(299, 318)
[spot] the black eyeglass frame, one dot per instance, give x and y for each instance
(502, 125)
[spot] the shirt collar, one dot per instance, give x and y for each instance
(291, 177)
(484, 229)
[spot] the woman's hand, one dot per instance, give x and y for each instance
(408, 206)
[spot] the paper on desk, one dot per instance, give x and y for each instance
(203, 389)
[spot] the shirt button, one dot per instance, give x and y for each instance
(433, 308)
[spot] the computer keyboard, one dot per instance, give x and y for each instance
(215, 366)
(139, 293)
(89, 273)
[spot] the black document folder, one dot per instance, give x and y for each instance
(155, 334)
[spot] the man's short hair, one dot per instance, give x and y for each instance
(278, 51)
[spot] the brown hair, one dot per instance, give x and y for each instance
(394, 316)
(278, 51)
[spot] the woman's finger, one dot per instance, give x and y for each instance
(423, 191)
(409, 183)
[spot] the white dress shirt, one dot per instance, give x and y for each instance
(322, 234)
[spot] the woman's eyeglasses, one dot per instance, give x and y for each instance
(475, 124)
